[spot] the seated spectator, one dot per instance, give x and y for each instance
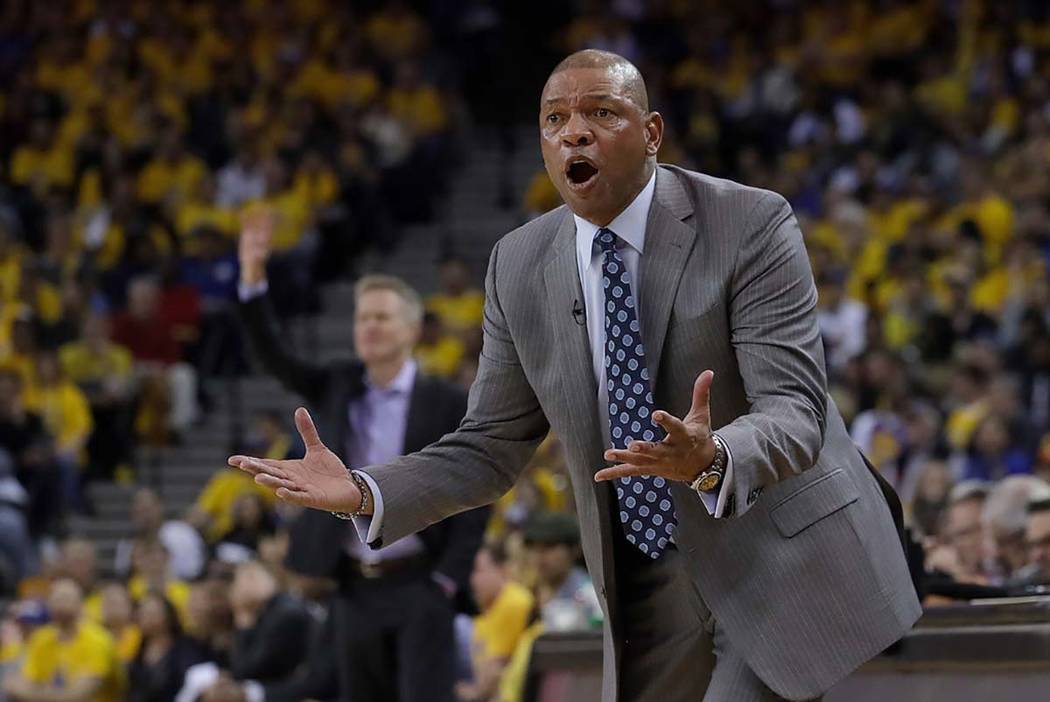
(152, 573)
(993, 452)
(960, 553)
(78, 561)
(26, 440)
(152, 340)
(209, 619)
(564, 592)
(271, 627)
(102, 370)
(438, 353)
(118, 619)
(67, 416)
(159, 669)
(506, 608)
(1004, 518)
(457, 304)
(185, 546)
(70, 659)
(1037, 539)
(252, 522)
(18, 556)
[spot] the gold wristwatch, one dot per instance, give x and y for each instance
(710, 479)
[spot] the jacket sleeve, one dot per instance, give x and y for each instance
(776, 339)
(271, 344)
(480, 461)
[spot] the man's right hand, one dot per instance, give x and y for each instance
(255, 244)
(318, 479)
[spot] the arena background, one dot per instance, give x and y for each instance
(911, 138)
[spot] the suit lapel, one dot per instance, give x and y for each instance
(562, 279)
(668, 242)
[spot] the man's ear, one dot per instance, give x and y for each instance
(654, 133)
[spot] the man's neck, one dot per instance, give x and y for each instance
(382, 373)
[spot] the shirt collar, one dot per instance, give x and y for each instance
(629, 225)
(402, 382)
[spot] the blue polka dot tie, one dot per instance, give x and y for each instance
(646, 508)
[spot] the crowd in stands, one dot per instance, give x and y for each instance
(911, 138)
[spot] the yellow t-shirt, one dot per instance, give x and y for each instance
(459, 312)
(65, 412)
(90, 653)
(176, 591)
(82, 366)
(218, 496)
(442, 358)
(127, 644)
(497, 630)
(160, 178)
(512, 681)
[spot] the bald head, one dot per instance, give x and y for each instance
(620, 70)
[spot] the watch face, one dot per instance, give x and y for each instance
(709, 482)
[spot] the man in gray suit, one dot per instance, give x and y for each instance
(741, 547)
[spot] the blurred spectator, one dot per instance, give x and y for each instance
(931, 497)
(252, 522)
(272, 628)
(118, 618)
(183, 543)
(71, 658)
(506, 610)
(209, 618)
(564, 592)
(67, 417)
(994, 452)
(151, 338)
(102, 370)
(158, 671)
(1037, 539)
(438, 353)
(78, 561)
(842, 321)
(18, 557)
(26, 440)
(962, 553)
(151, 572)
(457, 304)
(1005, 516)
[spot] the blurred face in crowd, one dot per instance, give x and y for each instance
(487, 579)
(63, 602)
(383, 328)
(553, 562)
(147, 512)
(599, 139)
(96, 330)
(248, 511)
(153, 616)
(10, 392)
(454, 277)
(1037, 537)
(963, 532)
(992, 437)
(116, 607)
(80, 563)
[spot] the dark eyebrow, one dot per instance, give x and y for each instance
(589, 96)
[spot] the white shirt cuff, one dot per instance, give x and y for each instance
(716, 502)
(250, 291)
(369, 528)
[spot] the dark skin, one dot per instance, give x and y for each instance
(595, 114)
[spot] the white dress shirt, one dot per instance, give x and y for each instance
(629, 225)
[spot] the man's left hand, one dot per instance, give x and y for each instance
(682, 454)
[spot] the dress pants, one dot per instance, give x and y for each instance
(395, 641)
(672, 647)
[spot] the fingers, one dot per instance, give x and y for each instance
(295, 497)
(646, 454)
(255, 466)
(305, 424)
(625, 469)
(702, 392)
(273, 482)
(675, 427)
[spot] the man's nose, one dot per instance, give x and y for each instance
(577, 132)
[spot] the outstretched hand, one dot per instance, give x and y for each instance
(682, 454)
(318, 479)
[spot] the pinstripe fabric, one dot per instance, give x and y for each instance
(807, 579)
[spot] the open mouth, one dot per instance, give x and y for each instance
(580, 171)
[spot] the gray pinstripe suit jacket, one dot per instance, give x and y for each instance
(807, 579)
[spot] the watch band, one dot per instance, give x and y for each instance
(362, 487)
(710, 479)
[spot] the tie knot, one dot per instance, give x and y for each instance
(606, 239)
